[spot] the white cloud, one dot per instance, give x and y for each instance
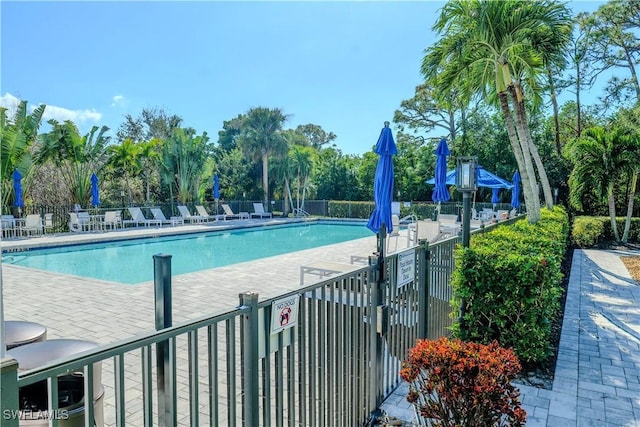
(77, 116)
(117, 100)
(53, 112)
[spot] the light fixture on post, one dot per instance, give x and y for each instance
(555, 196)
(465, 183)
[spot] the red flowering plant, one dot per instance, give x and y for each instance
(455, 383)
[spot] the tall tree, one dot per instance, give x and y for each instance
(151, 123)
(315, 135)
(260, 138)
(426, 111)
(614, 28)
(493, 48)
(17, 134)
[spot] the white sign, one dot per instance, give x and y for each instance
(284, 313)
(406, 267)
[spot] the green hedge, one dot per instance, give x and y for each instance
(589, 231)
(511, 281)
(349, 209)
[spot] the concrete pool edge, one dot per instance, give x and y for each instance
(134, 233)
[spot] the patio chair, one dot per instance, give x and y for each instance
(204, 214)
(112, 219)
(79, 221)
(159, 216)
(258, 211)
(423, 230)
(8, 226)
(32, 225)
(48, 222)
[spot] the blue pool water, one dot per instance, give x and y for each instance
(131, 261)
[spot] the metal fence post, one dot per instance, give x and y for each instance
(423, 289)
(250, 360)
(165, 351)
(9, 415)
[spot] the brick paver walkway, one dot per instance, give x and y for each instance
(597, 377)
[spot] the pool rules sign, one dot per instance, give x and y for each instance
(284, 313)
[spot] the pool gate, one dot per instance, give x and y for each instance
(327, 354)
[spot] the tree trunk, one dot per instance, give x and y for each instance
(530, 197)
(632, 194)
(522, 125)
(612, 213)
(554, 104)
(265, 178)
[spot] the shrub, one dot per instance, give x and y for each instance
(511, 279)
(589, 231)
(457, 383)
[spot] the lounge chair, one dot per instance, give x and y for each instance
(187, 217)
(228, 213)
(159, 216)
(258, 211)
(32, 225)
(203, 213)
(137, 218)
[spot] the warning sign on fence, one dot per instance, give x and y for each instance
(406, 267)
(284, 313)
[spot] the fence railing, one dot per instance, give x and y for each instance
(325, 355)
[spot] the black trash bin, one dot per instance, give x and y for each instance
(18, 332)
(34, 397)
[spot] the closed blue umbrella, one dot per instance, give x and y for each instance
(17, 189)
(515, 192)
(95, 194)
(440, 192)
(495, 195)
(383, 181)
(216, 187)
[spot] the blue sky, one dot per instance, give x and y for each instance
(345, 66)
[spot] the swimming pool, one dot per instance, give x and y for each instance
(131, 261)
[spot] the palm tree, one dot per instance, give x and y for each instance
(302, 161)
(124, 159)
(495, 49)
(600, 157)
(148, 156)
(629, 120)
(260, 138)
(17, 135)
(76, 156)
(184, 157)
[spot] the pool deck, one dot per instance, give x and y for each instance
(597, 380)
(103, 311)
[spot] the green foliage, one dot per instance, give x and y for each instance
(590, 231)
(350, 209)
(510, 279)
